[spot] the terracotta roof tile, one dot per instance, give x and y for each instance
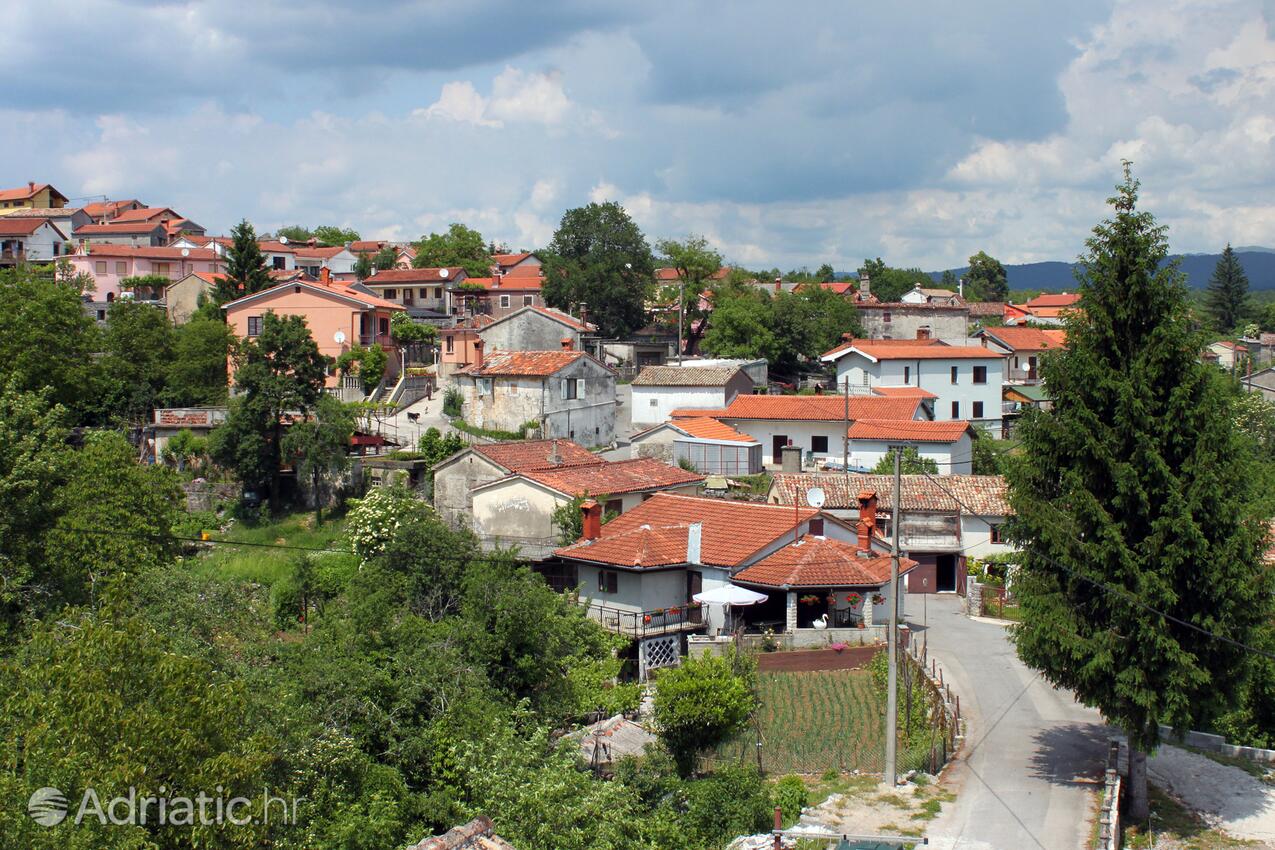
(400, 276)
(1022, 338)
(24, 193)
(820, 562)
(20, 226)
(335, 288)
(903, 392)
(531, 363)
(920, 350)
(41, 212)
(1053, 299)
(151, 253)
(913, 430)
(508, 283)
(144, 214)
(654, 533)
(123, 227)
(622, 476)
(984, 495)
(696, 412)
(982, 309)
(822, 408)
(685, 376)
(706, 428)
(530, 455)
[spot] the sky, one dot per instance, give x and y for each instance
(788, 134)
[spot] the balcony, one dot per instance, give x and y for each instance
(383, 340)
(13, 255)
(643, 624)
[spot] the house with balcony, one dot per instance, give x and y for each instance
(338, 316)
(30, 240)
(638, 574)
(422, 292)
(497, 295)
(111, 264)
(33, 195)
(517, 510)
(65, 219)
(139, 234)
(943, 522)
(565, 394)
(965, 380)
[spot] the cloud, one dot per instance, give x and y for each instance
(516, 95)
(460, 101)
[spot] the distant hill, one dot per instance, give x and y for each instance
(1258, 263)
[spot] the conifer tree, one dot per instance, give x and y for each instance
(1135, 495)
(1228, 291)
(246, 271)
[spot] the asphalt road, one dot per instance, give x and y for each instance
(1027, 777)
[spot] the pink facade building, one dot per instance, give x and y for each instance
(109, 264)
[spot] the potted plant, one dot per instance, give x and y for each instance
(809, 599)
(853, 599)
(878, 599)
(831, 600)
(673, 612)
(646, 618)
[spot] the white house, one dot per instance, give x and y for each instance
(29, 240)
(947, 443)
(941, 297)
(816, 424)
(659, 390)
(965, 379)
(709, 445)
(1022, 347)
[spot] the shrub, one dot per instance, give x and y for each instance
(375, 518)
(791, 797)
(699, 705)
(453, 402)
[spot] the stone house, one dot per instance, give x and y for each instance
(531, 328)
(565, 394)
(182, 297)
(899, 320)
(659, 390)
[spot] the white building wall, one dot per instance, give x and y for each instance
(43, 244)
(976, 536)
(653, 405)
(952, 458)
(936, 376)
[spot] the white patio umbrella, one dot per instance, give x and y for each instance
(729, 595)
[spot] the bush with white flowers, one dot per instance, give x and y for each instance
(375, 518)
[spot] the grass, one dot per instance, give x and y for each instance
(1173, 824)
(1252, 768)
(493, 433)
(264, 565)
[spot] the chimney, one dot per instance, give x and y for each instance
(566, 343)
(960, 287)
(591, 513)
(922, 333)
(31, 185)
(478, 353)
(790, 459)
(312, 242)
(865, 287)
(867, 518)
(865, 538)
(694, 540)
(495, 278)
(555, 458)
(325, 276)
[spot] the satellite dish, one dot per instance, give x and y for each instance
(443, 273)
(815, 497)
(185, 252)
(283, 240)
(339, 337)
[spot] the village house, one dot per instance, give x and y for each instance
(1225, 354)
(517, 510)
(338, 317)
(183, 297)
(943, 523)
(456, 477)
(948, 443)
(938, 297)
(35, 195)
(1261, 349)
(814, 424)
(1022, 348)
(103, 211)
(521, 263)
(422, 292)
(65, 219)
(709, 445)
(525, 329)
(659, 390)
(312, 258)
(30, 240)
(495, 296)
(111, 264)
(899, 320)
(965, 379)
(404, 253)
(639, 573)
(1047, 309)
(565, 394)
(139, 234)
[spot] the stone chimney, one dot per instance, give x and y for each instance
(791, 459)
(694, 542)
(922, 333)
(555, 457)
(865, 287)
(325, 276)
(867, 518)
(478, 353)
(567, 343)
(591, 513)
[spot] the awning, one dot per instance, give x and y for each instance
(730, 594)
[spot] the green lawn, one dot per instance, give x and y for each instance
(260, 563)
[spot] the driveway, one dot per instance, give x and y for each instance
(1027, 776)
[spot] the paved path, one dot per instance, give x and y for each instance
(1027, 776)
(408, 432)
(1227, 797)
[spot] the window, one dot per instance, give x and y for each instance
(978, 410)
(819, 445)
(121, 268)
(816, 526)
(956, 374)
(956, 410)
(100, 267)
(608, 581)
(655, 402)
(996, 534)
(279, 263)
(254, 326)
(451, 344)
(424, 292)
(528, 300)
(438, 292)
(907, 374)
(980, 374)
(614, 506)
(504, 301)
(391, 294)
(885, 317)
(383, 326)
(407, 296)
(483, 385)
(570, 388)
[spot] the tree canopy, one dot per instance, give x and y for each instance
(1136, 503)
(888, 283)
(696, 262)
(246, 271)
(459, 246)
(600, 257)
(1227, 294)
(324, 234)
(986, 279)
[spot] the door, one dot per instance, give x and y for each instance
(777, 449)
(946, 578)
(694, 585)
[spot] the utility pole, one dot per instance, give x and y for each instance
(892, 696)
(845, 436)
(681, 314)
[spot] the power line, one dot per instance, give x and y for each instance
(1111, 588)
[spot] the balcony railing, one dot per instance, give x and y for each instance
(377, 339)
(641, 624)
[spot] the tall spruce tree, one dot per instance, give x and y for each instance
(246, 271)
(1228, 291)
(1135, 495)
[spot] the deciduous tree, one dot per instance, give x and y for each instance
(911, 464)
(699, 705)
(138, 350)
(1135, 501)
(197, 373)
(696, 262)
(459, 246)
(986, 279)
(320, 448)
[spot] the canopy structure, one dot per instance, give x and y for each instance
(729, 594)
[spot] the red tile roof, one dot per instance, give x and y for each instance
(705, 428)
(904, 392)
(401, 276)
(685, 376)
(696, 412)
(920, 350)
(510, 259)
(210, 277)
(508, 283)
(530, 363)
(26, 192)
(611, 479)
(915, 431)
(1053, 299)
(270, 246)
(313, 285)
(20, 226)
(820, 562)
(323, 252)
(980, 309)
(1022, 338)
(101, 208)
(145, 214)
(982, 495)
(150, 253)
(529, 455)
(654, 533)
(840, 287)
(821, 407)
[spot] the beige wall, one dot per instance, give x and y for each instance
(182, 298)
(453, 482)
